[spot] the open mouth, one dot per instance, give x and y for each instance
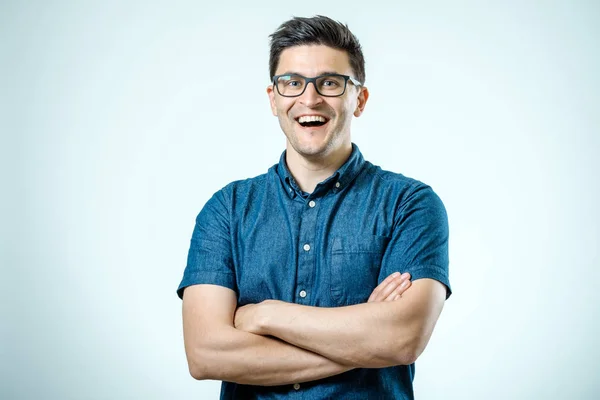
(311, 121)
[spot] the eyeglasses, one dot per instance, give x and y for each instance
(328, 85)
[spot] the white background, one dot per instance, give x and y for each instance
(120, 119)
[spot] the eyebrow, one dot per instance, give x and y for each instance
(319, 74)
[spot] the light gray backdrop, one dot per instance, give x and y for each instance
(120, 119)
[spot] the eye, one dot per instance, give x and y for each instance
(330, 83)
(293, 83)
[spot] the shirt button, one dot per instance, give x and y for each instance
(296, 386)
(306, 247)
(303, 293)
(311, 204)
(337, 184)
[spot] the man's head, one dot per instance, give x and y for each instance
(308, 48)
(313, 31)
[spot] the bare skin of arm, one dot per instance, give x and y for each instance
(372, 335)
(215, 349)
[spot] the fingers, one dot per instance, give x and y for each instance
(391, 287)
(375, 294)
(397, 292)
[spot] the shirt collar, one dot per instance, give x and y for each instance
(336, 182)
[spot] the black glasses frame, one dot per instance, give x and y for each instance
(314, 82)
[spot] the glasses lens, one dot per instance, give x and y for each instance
(331, 85)
(294, 85)
(290, 85)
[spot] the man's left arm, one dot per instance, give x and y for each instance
(369, 335)
(376, 334)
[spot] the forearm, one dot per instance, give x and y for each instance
(232, 355)
(369, 335)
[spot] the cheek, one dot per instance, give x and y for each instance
(351, 105)
(283, 109)
(283, 116)
(344, 114)
(344, 109)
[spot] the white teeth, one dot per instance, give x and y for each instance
(311, 118)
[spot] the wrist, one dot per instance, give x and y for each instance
(266, 314)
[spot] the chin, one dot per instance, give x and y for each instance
(311, 152)
(308, 148)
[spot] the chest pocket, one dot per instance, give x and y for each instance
(355, 266)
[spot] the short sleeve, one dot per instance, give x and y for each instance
(419, 243)
(209, 258)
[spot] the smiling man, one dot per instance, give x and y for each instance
(324, 277)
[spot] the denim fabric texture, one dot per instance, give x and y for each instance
(266, 239)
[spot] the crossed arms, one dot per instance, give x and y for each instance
(276, 343)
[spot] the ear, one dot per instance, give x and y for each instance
(271, 94)
(363, 96)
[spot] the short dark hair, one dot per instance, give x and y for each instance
(317, 30)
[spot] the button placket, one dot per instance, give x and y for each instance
(307, 257)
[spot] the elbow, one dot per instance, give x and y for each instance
(209, 357)
(196, 374)
(406, 357)
(207, 363)
(409, 351)
(204, 354)
(201, 362)
(197, 369)
(403, 353)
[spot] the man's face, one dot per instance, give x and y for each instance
(316, 141)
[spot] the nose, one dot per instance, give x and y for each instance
(310, 98)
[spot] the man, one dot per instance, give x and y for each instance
(292, 287)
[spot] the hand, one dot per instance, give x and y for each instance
(248, 318)
(391, 288)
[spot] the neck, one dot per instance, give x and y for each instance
(310, 171)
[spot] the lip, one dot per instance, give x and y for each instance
(312, 128)
(312, 115)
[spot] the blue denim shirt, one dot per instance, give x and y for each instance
(266, 239)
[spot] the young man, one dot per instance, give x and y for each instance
(289, 289)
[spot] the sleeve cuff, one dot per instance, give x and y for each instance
(207, 277)
(432, 272)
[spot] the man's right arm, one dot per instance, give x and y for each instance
(216, 350)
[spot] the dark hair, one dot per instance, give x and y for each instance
(317, 30)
